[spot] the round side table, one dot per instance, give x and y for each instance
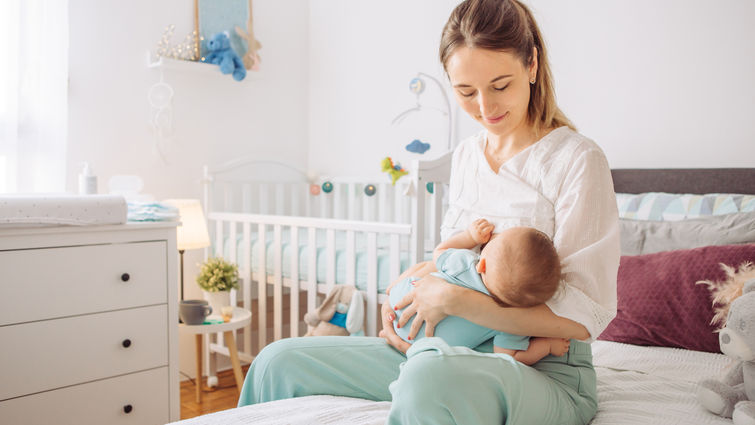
(241, 317)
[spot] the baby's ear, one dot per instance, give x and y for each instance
(481, 266)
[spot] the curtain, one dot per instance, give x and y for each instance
(33, 95)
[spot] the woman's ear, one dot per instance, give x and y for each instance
(481, 266)
(533, 65)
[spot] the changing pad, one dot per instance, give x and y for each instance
(62, 209)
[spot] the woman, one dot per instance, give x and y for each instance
(528, 167)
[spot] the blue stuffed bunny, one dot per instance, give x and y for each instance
(222, 54)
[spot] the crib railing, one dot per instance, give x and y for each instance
(257, 283)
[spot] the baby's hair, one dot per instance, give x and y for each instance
(532, 270)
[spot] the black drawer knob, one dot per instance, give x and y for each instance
(125, 277)
(128, 408)
(126, 343)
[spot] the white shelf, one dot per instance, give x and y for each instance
(194, 67)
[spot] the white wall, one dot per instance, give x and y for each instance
(656, 84)
(216, 119)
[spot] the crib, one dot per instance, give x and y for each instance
(295, 236)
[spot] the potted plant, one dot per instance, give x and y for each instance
(217, 277)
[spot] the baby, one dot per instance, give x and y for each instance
(518, 267)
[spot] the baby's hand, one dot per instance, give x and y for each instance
(480, 231)
(559, 346)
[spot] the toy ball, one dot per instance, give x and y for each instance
(314, 189)
(430, 187)
(416, 86)
(327, 187)
(370, 190)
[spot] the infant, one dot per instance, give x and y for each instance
(518, 267)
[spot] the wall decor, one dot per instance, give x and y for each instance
(234, 17)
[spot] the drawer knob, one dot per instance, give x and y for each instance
(126, 343)
(125, 277)
(128, 408)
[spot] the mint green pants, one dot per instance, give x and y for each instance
(433, 384)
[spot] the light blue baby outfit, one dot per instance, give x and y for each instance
(459, 267)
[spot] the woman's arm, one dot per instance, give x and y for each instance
(433, 299)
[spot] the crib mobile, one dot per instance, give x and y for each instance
(417, 86)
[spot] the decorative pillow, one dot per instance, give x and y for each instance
(646, 237)
(659, 303)
(661, 206)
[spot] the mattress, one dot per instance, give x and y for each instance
(383, 256)
(636, 385)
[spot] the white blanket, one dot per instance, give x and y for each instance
(636, 385)
(56, 209)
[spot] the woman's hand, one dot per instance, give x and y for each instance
(428, 301)
(388, 316)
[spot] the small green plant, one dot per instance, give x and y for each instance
(218, 275)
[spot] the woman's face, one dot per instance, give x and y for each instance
(492, 87)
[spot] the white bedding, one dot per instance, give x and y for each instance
(636, 385)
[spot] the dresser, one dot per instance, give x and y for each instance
(89, 325)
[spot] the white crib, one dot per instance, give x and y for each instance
(342, 236)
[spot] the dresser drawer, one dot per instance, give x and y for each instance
(50, 354)
(99, 402)
(38, 284)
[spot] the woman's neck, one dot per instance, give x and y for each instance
(502, 147)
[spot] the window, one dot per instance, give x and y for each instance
(33, 95)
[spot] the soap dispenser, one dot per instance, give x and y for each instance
(87, 181)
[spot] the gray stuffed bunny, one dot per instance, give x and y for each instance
(734, 396)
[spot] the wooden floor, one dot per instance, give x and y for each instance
(213, 400)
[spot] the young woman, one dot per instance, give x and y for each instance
(527, 168)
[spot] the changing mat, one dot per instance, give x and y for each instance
(62, 209)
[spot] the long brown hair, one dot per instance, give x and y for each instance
(506, 25)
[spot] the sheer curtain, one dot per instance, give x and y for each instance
(33, 95)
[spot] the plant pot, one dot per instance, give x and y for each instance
(218, 300)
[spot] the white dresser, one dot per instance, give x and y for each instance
(89, 325)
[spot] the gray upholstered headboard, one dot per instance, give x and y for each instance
(684, 180)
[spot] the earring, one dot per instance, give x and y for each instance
(532, 81)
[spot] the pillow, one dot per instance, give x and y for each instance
(647, 237)
(661, 206)
(659, 303)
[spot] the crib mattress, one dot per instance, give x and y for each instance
(636, 385)
(383, 257)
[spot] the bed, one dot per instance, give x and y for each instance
(684, 222)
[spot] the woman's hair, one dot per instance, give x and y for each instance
(506, 25)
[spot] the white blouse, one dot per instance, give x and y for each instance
(562, 186)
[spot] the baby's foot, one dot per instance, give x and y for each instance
(559, 346)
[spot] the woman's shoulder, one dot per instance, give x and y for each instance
(469, 145)
(565, 141)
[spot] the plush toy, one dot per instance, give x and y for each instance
(342, 313)
(734, 396)
(223, 55)
(393, 170)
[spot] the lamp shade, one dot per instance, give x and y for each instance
(192, 233)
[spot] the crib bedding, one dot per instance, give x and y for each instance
(383, 256)
(636, 385)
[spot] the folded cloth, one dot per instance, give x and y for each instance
(151, 211)
(55, 209)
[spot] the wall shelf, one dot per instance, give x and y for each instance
(194, 67)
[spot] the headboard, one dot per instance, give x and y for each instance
(684, 180)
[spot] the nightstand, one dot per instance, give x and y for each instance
(241, 317)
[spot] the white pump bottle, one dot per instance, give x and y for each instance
(87, 181)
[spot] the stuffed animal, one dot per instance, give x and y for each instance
(341, 313)
(393, 170)
(223, 55)
(734, 395)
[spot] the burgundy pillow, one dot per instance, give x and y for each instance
(660, 304)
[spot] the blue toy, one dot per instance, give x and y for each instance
(417, 146)
(223, 55)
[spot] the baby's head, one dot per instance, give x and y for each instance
(520, 267)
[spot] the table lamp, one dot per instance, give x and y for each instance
(192, 233)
